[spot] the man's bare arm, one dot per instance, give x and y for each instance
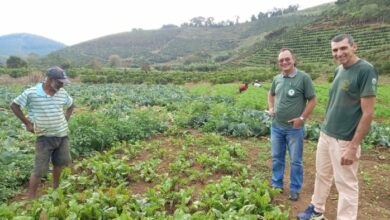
(18, 112)
(69, 112)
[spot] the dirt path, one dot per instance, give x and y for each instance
(374, 184)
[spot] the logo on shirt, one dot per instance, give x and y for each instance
(374, 81)
(291, 92)
(345, 85)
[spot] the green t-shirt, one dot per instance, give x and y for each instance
(344, 111)
(291, 95)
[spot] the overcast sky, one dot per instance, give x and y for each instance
(75, 21)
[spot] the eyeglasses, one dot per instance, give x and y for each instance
(284, 59)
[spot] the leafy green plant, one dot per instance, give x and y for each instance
(90, 132)
(379, 134)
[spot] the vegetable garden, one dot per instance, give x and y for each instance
(158, 152)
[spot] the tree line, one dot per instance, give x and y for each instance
(201, 21)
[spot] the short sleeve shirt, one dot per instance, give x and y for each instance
(46, 112)
(344, 111)
(291, 95)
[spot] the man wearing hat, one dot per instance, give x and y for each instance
(46, 118)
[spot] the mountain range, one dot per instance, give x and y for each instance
(24, 44)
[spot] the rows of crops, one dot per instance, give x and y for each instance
(137, 156)
(312, 44)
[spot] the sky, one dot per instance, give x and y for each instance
(75, 21)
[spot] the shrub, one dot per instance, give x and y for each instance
(90, 132)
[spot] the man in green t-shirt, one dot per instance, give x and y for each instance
(347, 120)
(291, 99)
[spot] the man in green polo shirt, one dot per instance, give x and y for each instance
(347, 120)
(290, 100)
(46, 118)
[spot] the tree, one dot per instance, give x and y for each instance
(169, 26)
(166, 68)
(115, 60)
(253, 18)
(262, 16)
(145, 67)
(65, 65)
(32, 58)
(222, 24)
(95, 64)
(126, 62)
(340, 2)
(291, 8)
(209, 21)
(185, 24)
(15, 62)
(197, 21)
(369, 10)
(276, 12)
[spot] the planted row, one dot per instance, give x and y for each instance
(100, 187)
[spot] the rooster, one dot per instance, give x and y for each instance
(243, 87)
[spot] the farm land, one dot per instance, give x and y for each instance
(198, 151)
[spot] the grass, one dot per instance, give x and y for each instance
(253, 98)
(256, 98)
(383, 102)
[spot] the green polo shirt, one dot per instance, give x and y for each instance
(291, 94)
(344, 111)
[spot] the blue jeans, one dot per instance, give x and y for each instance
(290, 139)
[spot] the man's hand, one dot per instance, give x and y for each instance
(296, 122)
(349, 155)
(271, 112)
(30, 127)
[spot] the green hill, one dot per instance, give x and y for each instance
(176, 45)
(312, 43)
(253, 43)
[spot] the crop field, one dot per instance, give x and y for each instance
(198, 151)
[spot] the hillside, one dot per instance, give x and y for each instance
(368, 21)
(243, 44)
(312, 44)
(177, 44)
(23, 44)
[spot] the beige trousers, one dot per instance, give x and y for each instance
(328, 165)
